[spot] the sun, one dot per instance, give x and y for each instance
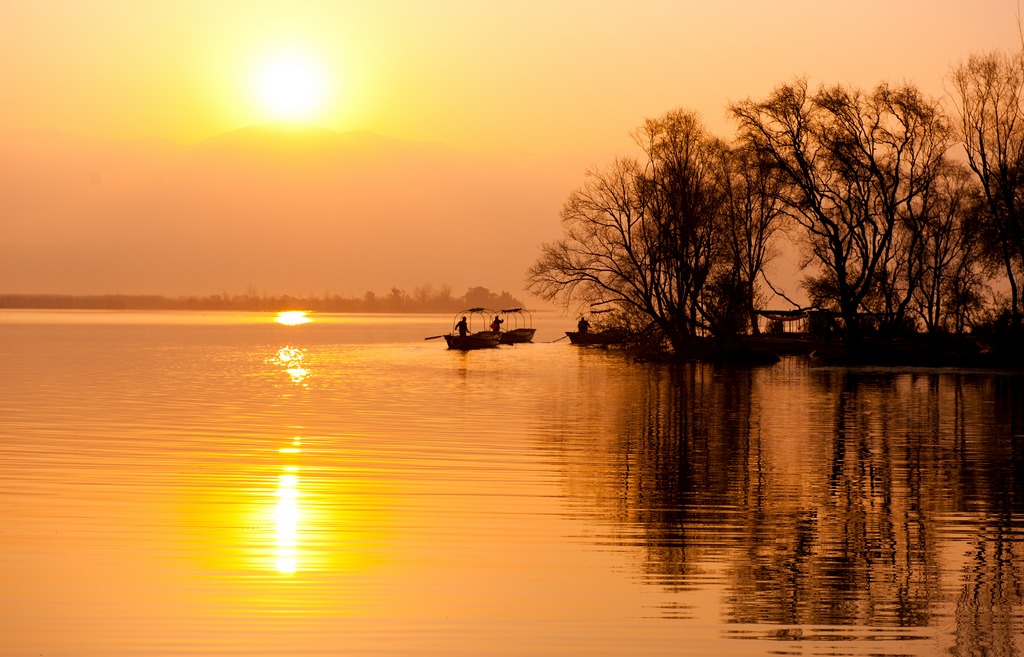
(290, 86)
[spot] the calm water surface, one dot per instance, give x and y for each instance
(219, 484)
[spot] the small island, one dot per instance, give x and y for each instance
(906, 219)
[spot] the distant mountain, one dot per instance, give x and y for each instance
(282, 208)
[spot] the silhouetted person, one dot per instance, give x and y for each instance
(463, 327)
(583, 326)
(496, 324)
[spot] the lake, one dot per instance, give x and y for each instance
(223, 484)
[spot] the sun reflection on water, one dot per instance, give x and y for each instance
(286, 522)
(291, 359)
(287, 512)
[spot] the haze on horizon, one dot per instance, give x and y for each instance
(445, 136)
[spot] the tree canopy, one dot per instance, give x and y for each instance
(905, 215)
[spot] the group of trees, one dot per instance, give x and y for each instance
(423, 299)
(905, 213)
(677, 240)
(426, 298)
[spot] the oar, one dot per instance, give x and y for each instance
(434, 337)
(559, 339)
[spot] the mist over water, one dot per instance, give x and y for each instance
(176, 483)
(293, 210)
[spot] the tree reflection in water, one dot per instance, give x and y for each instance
(828, 497)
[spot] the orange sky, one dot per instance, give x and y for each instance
(539, 76)
(83, 211)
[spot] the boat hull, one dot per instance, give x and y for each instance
(601, 338)
(518, 336)
(480, 340)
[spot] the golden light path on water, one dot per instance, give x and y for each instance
(286, 519)
(287, 511)
(291, 358)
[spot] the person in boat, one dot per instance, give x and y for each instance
(496, 324)
(462, 327)
(583, 326)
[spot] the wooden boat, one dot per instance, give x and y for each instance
(478, 340)
(521, 323)
(599, 338)
(473, 339)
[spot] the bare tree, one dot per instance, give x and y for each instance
(642, 236)
(855, 165)
(989, 92)
(946, 252)
(915, 144)
(754, 214)
(684, 202)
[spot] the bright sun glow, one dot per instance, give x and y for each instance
(290, 86)
(293, 317)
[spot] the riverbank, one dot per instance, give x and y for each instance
(919, 351)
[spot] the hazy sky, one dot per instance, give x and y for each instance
(541, 76)
(84, 208)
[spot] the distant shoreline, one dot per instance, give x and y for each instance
(395, 303)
